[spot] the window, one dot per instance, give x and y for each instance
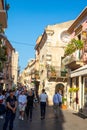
(79, 37)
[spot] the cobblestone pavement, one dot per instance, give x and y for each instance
(68, 120)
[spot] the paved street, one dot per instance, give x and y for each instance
(69, 120)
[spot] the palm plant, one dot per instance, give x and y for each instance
(73, 46)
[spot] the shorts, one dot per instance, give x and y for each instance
(22, 107)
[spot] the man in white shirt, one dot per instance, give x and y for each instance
(43, 101)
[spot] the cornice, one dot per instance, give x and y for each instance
(76, 22)
(42, 41)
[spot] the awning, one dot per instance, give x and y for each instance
(79, 72)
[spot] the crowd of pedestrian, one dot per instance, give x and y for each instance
(24, 102)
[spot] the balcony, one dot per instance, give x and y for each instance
(63, 73)
(51, 75)
(3, 19)
(73, 61)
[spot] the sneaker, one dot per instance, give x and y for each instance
(1, 117)
(22, 118)
(42, 118)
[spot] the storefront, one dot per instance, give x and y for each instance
(81, 75)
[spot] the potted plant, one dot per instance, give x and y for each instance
(64, 106)
(73, 46)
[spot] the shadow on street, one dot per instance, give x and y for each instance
(80, 115)
(49, 123)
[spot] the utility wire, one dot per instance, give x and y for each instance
(27, 44)
(22, 43)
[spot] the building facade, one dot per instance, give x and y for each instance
(15, 59)
(77, 66)
(6, 49)
(27, 76)
(49, 52)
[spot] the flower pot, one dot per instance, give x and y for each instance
(64, 107)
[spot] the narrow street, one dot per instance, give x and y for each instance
(69, 120)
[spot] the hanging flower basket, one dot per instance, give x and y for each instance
(73, 89)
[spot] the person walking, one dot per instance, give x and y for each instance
(57, 102)
(2, 104)
(29, 106)
(22, 100)
(11, 104)
(43, 101)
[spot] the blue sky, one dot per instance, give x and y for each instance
(27, 20)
